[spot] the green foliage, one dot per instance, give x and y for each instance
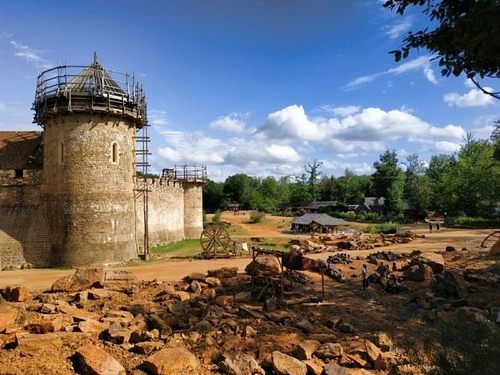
(460, 346)
(213, 196)
(256, 217)
(471, 222)
(417, 187)
(388, 182)
(372, 216)
(465, 39)
(216, 217)
(181, 249)
(386, 228)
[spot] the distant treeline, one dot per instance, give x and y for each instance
(464, 184)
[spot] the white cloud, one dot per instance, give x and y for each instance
(170, 155)
(340, 167)
(292, 122)
(249, 152)
(25, 52)
(483, 132)
(158, 118)
(235, 122)
(396, 30)
(343, 138)
(445, 147)
(421, 63)
(3, 107)
(474, 98)
(377, 125)
(448, 132)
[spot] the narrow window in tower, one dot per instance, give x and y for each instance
(114, 152)
(61, 153)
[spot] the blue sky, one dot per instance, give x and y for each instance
(256, 87)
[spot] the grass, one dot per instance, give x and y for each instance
(187, 248)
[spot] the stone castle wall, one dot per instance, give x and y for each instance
(24, 229)
(175, 213)
(168, 219)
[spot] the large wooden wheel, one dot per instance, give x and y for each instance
(215, 242)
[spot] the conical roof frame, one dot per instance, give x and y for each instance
(94, 78)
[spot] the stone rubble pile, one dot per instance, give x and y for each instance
(332, 242)
(205, 324)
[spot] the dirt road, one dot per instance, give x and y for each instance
(42, 279)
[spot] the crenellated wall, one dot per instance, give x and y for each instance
(168, 219)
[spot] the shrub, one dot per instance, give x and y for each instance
(216, 217)
(474, 222)
(256, 216)
(372, 216)
(386, 228)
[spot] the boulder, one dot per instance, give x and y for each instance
(172, 361)
(433, 260)
(334, 369)
(306, 348)
(418, 272)
(16, 294)
(223, 273)
(8, 317)
(238, 363)
(284, 364)
(82, 279)
(450, 283)
(264, 266)
(94, 360)
(329, 350)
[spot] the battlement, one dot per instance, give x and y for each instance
(180, 175)
(186, 173)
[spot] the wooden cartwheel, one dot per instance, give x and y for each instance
(215, 242)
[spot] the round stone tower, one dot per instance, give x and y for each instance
(90, 117)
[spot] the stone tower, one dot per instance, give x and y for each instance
(90, 117)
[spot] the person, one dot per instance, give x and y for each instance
(438, 226)
(430, 227)
(364, 276)
(394, 267)
(382, 271)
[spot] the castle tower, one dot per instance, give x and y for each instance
(193, 180)
(90, 117)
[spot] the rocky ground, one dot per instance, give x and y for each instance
(218, 322)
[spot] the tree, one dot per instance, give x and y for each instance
(495, 138)
(213, 196)
(438, 167)
(314, 175)
(388, 182)
(472, 185)
(328, 188)
(350, 188)
(466, 39)
(417, 190)
(244, 190)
